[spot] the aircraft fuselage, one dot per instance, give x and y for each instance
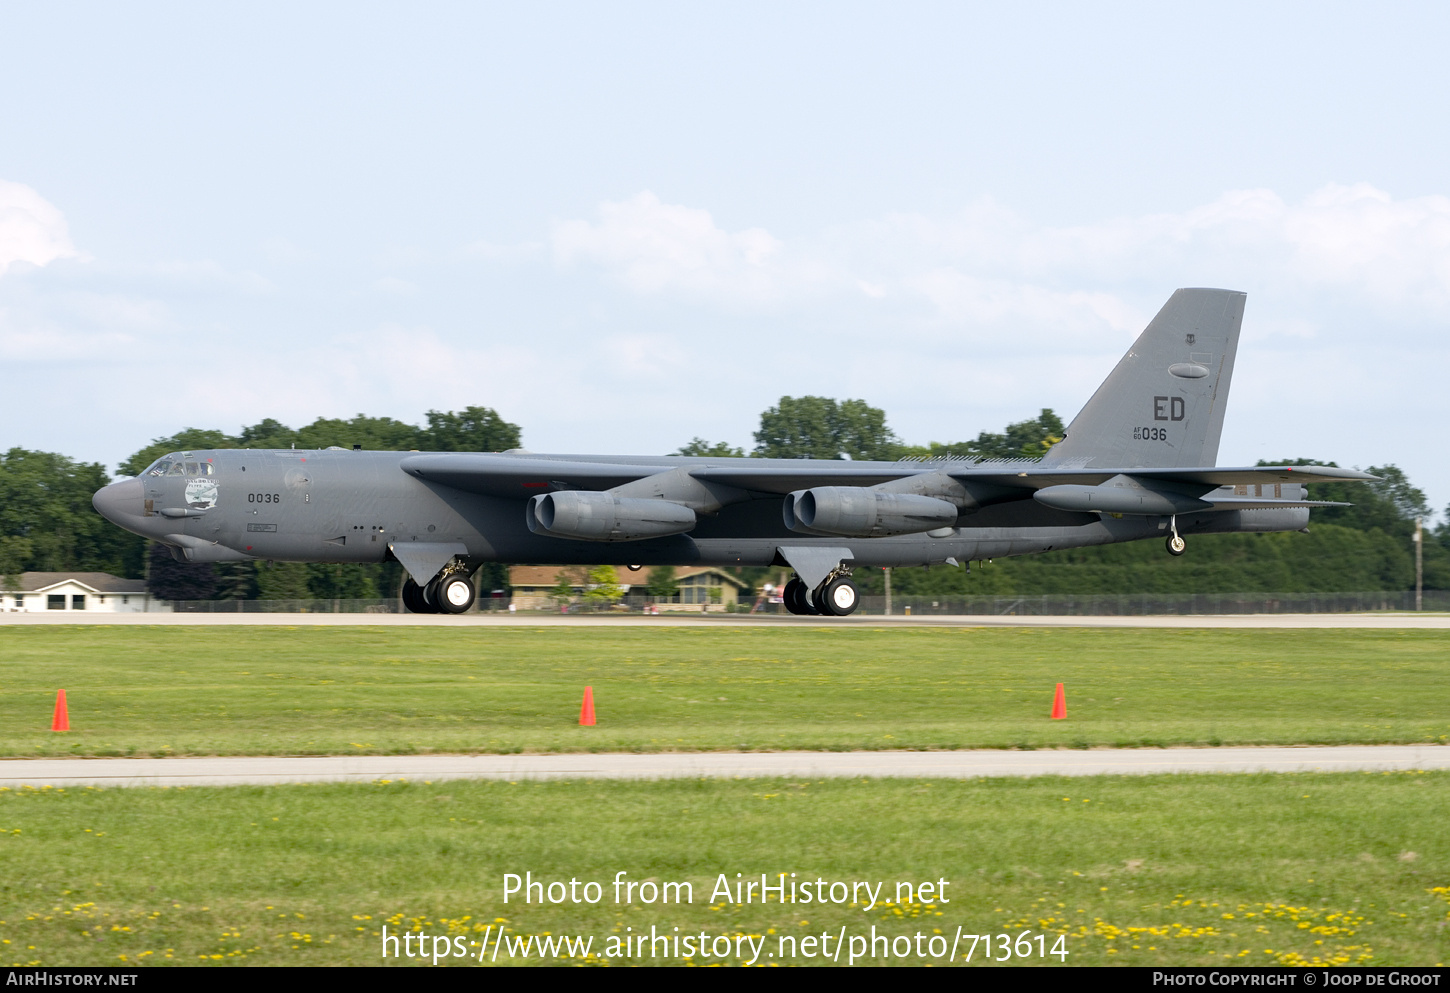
(351, 506)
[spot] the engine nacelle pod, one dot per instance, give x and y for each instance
(1112, 499)
(857, 512)
(585, 515)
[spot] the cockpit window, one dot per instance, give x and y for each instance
(176, 469)
(159, 469)
(207, 469)
(192, 469)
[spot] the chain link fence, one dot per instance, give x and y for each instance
(1140, 604)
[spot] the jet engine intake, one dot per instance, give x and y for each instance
(586, 515)
(858, 512)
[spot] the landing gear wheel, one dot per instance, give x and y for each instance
(1176, 545)
(453, 595)
(798, 598)
(413, 600)
(840, 597)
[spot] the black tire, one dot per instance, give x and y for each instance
(840, 598)
(453, 595)
(413, 600)
(797, 597)
(1175, 544)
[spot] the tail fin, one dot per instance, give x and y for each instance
(1163, 405)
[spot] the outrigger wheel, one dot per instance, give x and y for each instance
(797, 597)
(1175, 543)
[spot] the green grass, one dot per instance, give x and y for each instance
(1338, 868)
(219, 690)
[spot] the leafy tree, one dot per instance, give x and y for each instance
(1025, 439)
(813, 427)
(492, 576)
(45, 508)
(662, 581)
(168, 579)
(563, 591)
(13, 555)
(602, 586)
(1390, 504)
(473, 429)
(283, 581)
(235, 580)
(718, 450)
(267, 433)
(1328, 559)
(341, 580)
(381, 434)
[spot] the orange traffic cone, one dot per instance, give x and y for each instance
(1059, 705)
(61, 720)
(586, 712)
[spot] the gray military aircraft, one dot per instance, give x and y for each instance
(1137, 462)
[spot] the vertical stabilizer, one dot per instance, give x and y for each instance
(1163, 405)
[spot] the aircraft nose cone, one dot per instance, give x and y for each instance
(120, 501)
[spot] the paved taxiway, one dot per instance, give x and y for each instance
(265, 770)
(1370, 621)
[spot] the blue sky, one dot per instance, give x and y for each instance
(626, 225)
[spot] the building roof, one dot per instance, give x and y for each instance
(96, 582)
(547, 576)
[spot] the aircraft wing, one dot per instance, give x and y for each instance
(512, 476)
(1023, 475)
(765, 478)
(518, 477)
(1038, 475)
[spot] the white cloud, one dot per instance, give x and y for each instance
(989, 266)
(31, 228)
(654, 247)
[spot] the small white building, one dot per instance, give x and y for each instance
(93, 592)
(533, 586)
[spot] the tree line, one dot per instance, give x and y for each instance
(47, 523)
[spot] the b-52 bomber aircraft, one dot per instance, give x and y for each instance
(1137, 462)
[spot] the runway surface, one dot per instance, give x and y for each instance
(264, 770)
(1369, 621)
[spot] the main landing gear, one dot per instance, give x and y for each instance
(449, 593)
(1175, 543)
(836, 597)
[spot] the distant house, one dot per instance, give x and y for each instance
(533, 584)
(96, 592)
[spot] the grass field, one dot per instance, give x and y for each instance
(1331, 868)
(220, 690)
